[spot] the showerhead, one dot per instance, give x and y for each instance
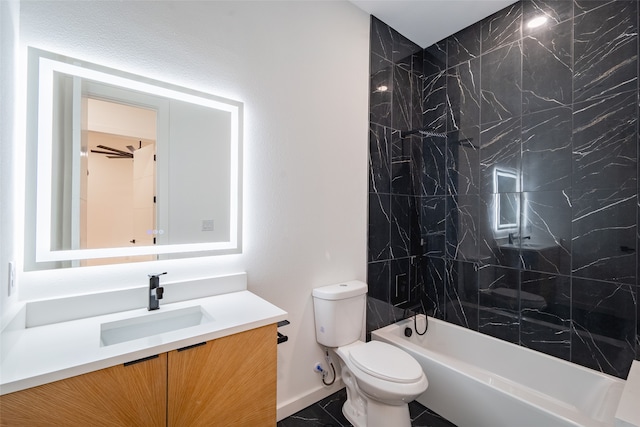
(431, 133)
(422, 132)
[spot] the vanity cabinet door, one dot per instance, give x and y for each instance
(230, 381)
(124, 395)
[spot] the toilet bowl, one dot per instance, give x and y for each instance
(384, 372)
(380, 379)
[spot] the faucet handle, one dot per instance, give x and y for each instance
(159, 292)
(156, 274)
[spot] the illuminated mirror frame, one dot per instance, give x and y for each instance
(48, 64)
(500, 226)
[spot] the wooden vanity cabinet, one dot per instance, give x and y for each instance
(230, 381)
(123, 395)
(226, 382)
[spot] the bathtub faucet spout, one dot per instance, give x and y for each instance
(415, 309)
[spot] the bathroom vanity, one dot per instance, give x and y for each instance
(115, 369)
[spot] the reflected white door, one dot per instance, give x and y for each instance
(144, 179)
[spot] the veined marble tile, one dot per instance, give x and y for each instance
(605, 142)
(501, 83)
(604, 235)
(547, 150)
(461, 293)
(400, 289)
(434, 103)
(462, 227)
(493, 247)
(378, 277)
(502, 27)
(380, 91)
(499, 305)
(500, 148)
(433, 169)
(463, 95)
(432, 225)
(402, 107)
(379, 241)
(405, 232)
(403, 163)
(547, 224)
(435, 58)
(546, 328)
(546, 67)
(464, 45)
(606, 50)
(379, 159)
(603, 325)
(463, 161)
(430, 284)
(381, 38)
(555, 11)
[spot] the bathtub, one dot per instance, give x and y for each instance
(479, 381)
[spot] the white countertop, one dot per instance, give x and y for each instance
(48, 353)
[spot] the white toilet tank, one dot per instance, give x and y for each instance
(340, 312)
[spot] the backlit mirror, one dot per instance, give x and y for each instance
(122, 168)
(507, 203)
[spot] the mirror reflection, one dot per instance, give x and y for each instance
(129, 169)
(117, 179)
(507, 200)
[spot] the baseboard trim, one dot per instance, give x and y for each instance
(291, 406)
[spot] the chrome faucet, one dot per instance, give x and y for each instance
(155, 291)
(513, 236)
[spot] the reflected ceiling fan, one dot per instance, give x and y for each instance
(114, 153)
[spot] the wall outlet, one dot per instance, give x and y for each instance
(12, 278)
(207, 225)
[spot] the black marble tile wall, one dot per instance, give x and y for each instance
(406, 181)
(522, 222)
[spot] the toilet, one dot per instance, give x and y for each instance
(381, 379)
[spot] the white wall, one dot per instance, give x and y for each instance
(301, 69)
(199, 174)
(9, 27)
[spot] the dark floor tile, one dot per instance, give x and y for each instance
(424, 417)
(328, 413)
(333, 405)
(313, 415)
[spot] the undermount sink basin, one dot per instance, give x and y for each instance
(151, 324)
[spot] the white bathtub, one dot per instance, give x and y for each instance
(479, 381)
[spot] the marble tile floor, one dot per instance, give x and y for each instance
(328, 413)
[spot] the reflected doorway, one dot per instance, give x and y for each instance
(118, 178)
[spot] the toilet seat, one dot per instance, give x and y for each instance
(386, 362)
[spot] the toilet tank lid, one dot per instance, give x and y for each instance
(342, 290)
